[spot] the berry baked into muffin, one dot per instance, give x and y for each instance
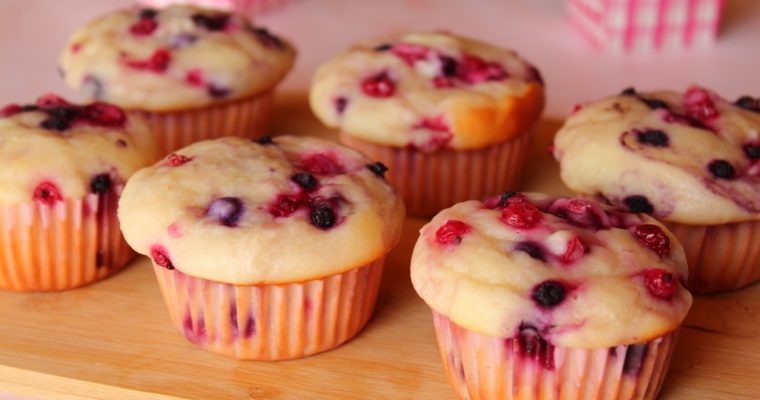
(450, 115)
(64, 166)
(195, 73)
(539, 297)
(265, 250)
(690, 159)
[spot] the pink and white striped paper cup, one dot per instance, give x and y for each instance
(646, 25)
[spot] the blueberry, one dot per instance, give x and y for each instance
(268, 39)
(653, 137)
(217, 92)
(56, 124)
(29, 107)
(504, 198)
(532, 249)
(378, 169)
(449, 66)
(227, 210)
(629, 91)
(340, 104)
(211, 22)
(638, 204)
(655, 104)
(323, 217)
(265, 140)
(100, 184)
(549, 294)
(304, 180)
(384, 47)
(752, 151)
(147, 13)
(748, 103)
(721, 169)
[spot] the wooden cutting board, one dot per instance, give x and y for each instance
(114, 339)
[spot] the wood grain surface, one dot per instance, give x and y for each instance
(114, 339)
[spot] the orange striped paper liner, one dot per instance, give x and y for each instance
(248, 117)
(63, 246)
(430, 182)
(720, 257)
(487, 367)
(271, 322)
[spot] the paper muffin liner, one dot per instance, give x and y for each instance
(720, 257)
(488, 367)
(271, 322)
(248, 117)
(430, 182)
(69, 244)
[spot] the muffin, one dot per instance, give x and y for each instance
(264, 250)
(194, 73)
(539, 297)
(451, 116)
(690, 159)
(64, 166)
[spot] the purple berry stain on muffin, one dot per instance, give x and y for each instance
(226, 210)
(721, 169)
(638, 204)
(47, 193)
(379, 85)
(92, 86)
(549, 294)
(532, 346)
(652, 137)
(653, 237)
(161, 257)
(532, 249)
(378, 168)
(452, 232)
(196, 333)
(635, 355)
(182, 40)
(100, 184)
(146, 23)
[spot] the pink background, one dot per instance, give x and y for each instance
(33, 32)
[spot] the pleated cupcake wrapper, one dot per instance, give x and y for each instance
(271, 322)
(487, 367)
(430, 182)
(720, 257)
(63, 246)
(247, 117)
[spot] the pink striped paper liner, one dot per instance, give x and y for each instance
(487, 367)
(247, 117)
(271, 322)
(63, 246)
(430, 182)
(720, 257)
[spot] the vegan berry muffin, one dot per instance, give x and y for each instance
(450, 115)
(195, 73)
(264, 250)
(690, 159)
(64, 166)
(539, 297)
